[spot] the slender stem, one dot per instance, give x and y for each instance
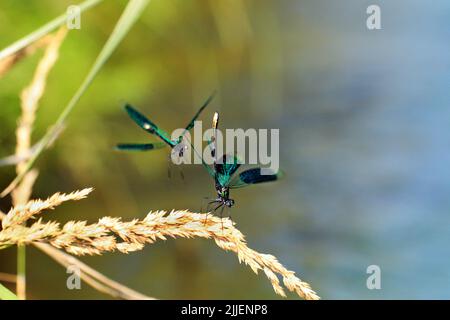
(42, 31)
(6, 277)
(5, 294)
(21, 273)
(92, 277)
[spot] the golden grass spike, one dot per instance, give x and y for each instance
(112, 234)
(92, 277)
(22, 213)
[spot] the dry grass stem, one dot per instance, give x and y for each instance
(112, 234)
(24, 190)
(7, 277)
(92, 277)
(8, 62)
(21, 213)
(30, 99)
(32, 94)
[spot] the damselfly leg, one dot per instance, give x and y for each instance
(221, 214)
(170, 166)
(209, 208)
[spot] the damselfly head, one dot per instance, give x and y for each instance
(229, 203)
(178, 152)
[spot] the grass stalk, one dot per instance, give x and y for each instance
(29, 104)
(21, 279)
(8, 277)
(44, 30)
(90, 276)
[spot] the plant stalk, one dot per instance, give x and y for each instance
(42, 31)
(21, 273)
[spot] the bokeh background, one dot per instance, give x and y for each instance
(364, 127)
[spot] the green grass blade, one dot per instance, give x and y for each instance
(42, 31)
(129, 16)
(5, 294)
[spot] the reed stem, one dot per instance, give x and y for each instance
(21, 272)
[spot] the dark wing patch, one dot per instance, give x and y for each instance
(140, 146)
(253, 176)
